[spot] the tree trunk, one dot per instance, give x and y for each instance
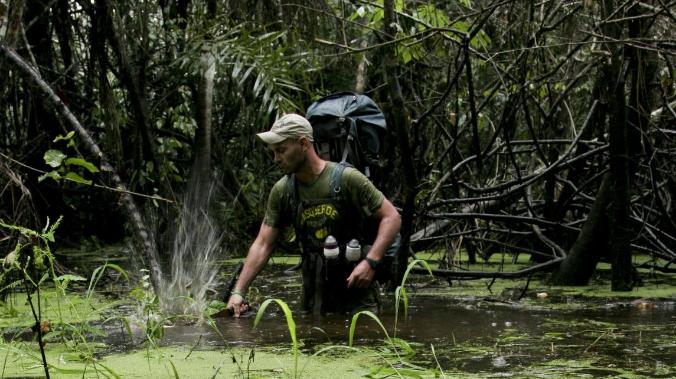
(402, 123)
(131, 78)
(62, 26)
(14, 17)
(578, 267)
(620, 230)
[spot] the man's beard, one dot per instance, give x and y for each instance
(291, 167)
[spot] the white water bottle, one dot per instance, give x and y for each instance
(331, 250)
(353, 251)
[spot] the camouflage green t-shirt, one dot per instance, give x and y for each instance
(362, 194)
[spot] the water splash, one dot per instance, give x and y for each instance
(194, 255)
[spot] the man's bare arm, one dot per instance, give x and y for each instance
(256, 258)
(390, 222)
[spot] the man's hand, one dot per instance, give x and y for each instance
(361, 276)
(236, 305)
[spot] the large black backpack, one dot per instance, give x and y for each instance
(349, 127)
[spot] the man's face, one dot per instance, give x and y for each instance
(289, 155)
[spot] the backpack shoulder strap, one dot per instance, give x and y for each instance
(294, 202)
(351, 131)
(335, 183)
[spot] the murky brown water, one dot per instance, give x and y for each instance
(474, 335)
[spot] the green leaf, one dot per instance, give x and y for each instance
(480, 40)
(77, 178)
(52, 174)
(406, 55)
(65, 279)
(378, 16)
(173, 369)
(66, 137)
(431, 15)
(54, 157)
(461, 26)
(82, 163)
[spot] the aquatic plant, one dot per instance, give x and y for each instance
(291, 324)
(400, 291)
(28, 261)
(397, 344)
(31, 265)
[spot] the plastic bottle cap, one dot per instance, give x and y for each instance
(353, 251)
(331, 250)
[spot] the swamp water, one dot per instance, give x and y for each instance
(460, 331)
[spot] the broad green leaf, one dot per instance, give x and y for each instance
(431, 15)
(54, 158)
(406, 55)
(77, 178)
(82, 163)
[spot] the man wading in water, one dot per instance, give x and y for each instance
(327, 204)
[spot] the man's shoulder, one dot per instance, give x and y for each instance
(281, 181)
(353, 176)
(280, 188)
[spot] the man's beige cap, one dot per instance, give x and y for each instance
(288, 126)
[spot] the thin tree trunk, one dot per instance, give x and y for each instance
(14, 17)
(62, 26)
(131, 79)
(620, 230)
(402, 123)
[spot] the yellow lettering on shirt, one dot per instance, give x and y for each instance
(325, 210)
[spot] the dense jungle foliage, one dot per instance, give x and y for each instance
(514, 126)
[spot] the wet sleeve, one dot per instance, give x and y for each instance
(362, 192)
(274, 210)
